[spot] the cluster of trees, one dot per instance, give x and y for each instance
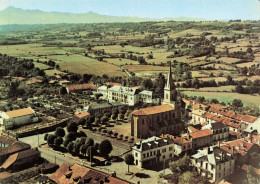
(77, 142)
(20, 68)
(183, 172)
(196, 83)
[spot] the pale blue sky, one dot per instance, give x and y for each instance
(208, 9)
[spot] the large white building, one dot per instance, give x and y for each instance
(152, 151)
(214, 163)
(18, 117)
(147, 97)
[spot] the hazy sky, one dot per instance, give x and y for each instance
(209, 9)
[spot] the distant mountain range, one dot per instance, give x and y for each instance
(12, 15)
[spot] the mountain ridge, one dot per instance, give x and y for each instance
(13, 15)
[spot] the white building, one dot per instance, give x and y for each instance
(18, 117)
(147, 97)
(219, 130)
(214, 163)
(103, 90)
(152, 151)
(123, 94)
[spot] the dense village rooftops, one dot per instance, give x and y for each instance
(208, 115)
(255, 139)
(217, 106)
(81, 87)
(218, 125)
(153, 110)
(247, 118)
(201, 133)
(235, 134)
(67, 174)
(238, 146)
(232, 123)
(153, 142)
(178, 140)
(214, 155)
(218, 118)
(20, 112)
(6, 140)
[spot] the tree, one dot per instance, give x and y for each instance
(60, 132)
(66, 142)
(239, 88)
(105, 147)
(51, 139)
(58, 141)
(251, 175)
(91, 152)
(83, 149)
(104, 119)
(89, 142)
(70, 147)
(72, 127)
(201, 99)
(129, 159)
(237, 103)
(46, 137)
(71, 136)
(147, 84)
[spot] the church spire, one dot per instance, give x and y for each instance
(170, 84)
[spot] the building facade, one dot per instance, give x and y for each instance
(214, 163)
(153, 151)
(18, 117)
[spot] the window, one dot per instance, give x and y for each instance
(164, 150)
(147, 154)
(144, 155)
(143, 121)
(136, 154)
(206, 165)
(219, 167)
(170, 155)
(219, 175)
(164, 157)
(151, 153)
(170, 148)
(154, 153)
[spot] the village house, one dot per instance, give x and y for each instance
(148, 97)
(20, 158)
(220, 131)
(155, 121)
(76, 173)
(18, 117)
(152, 151)
(81, 88)
(240, 149)
(214, 163)
(103, 90)
(9, 146)
(201, 138)
(122, 94)
(181, 144)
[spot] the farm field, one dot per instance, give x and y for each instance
(227, 97)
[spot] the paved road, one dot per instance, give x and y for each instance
(33, 140)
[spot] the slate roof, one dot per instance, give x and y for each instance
(153, 110)
(218, 125)
(20, 112)
(153, 142)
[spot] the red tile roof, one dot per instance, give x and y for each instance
(240, 147)
(208, 115)
(232, 123)
(78, 87)
(4, 175)
(201, 133)
(20, 112)
(233, 133)
(153, 110)
(177, 140)
(192, 129)
(246, 118)
(80, 174)
(112, 84)
(82, 115)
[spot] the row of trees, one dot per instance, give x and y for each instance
(77, 142)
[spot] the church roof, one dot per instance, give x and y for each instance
(153, 110)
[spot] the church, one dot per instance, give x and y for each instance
(161, 119)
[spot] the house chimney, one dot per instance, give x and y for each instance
(221, 156)
(232, 150)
